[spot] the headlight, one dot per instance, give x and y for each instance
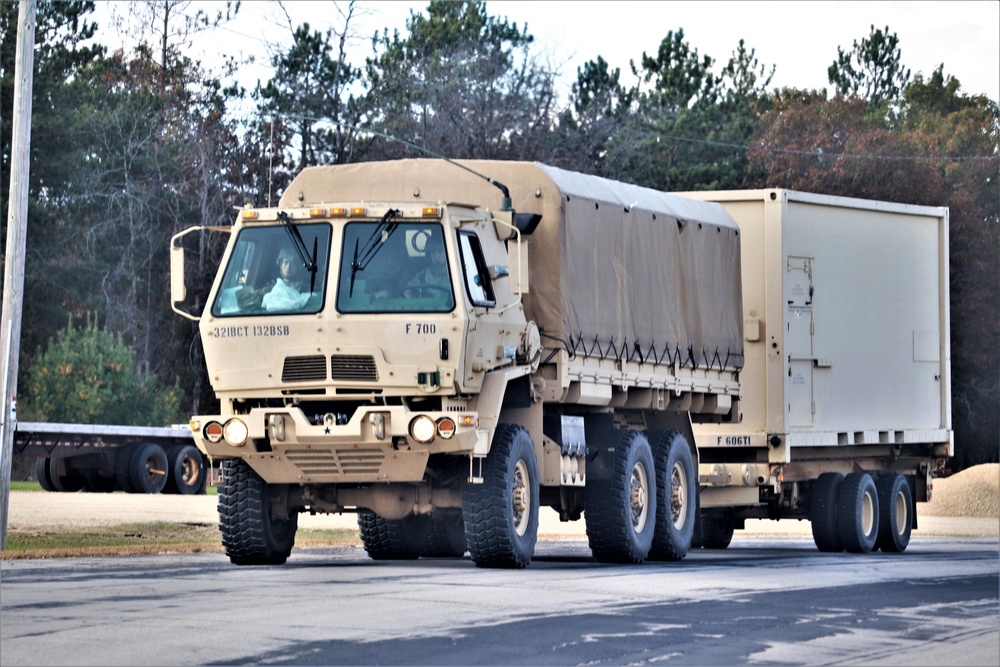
(446, 427)
(213, 432)
(422, 429)
(236, 432)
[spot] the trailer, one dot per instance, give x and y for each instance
(846, 386)
(106, 458)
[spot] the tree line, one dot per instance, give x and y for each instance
(130, 146)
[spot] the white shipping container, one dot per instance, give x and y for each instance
(845, 305)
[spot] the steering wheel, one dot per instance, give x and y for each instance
(415, 291)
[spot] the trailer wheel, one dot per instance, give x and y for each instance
(148, 468)
(95, 482)
(42, 474)
(187, 470)
(676, 495)
(391, 539)
(250, 535)
(895, 504)
(501, 514)
(68, 482)
(445, 536)
(823, 512)
(621, 512)
(858, 512)
(717, 529)
(123, 466)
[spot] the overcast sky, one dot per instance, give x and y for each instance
(799, 38)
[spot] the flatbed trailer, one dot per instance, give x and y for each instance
(103, 458)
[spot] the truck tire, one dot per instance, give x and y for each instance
(717, 529)
(148, 468)
(392, 539)
(501, 514)
(676, 496)
(187, 470)
(823, 512)
(621, 511)
(69, 481)
(42, 474)
(445, 536)
(858, 512)
(123, 465)
(250, 535)
(895, 507)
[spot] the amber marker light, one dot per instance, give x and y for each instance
(251, 215)
(317, 212)
(359, 212)
(338, 212)
(431, 212)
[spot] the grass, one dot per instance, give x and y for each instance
(132, 539)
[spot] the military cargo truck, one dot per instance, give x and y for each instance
(381, 344)
(447, 411)
(846, 391)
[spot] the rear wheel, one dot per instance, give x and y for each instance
(123, 466)
(676, 490)
(823, 512)
(95, 482)
(895, 505)
(187, 470)
(392, 539)
(148, 468)
(621, 512)
(251, 535)
(69, 481)
(858, 512)
(501, 514)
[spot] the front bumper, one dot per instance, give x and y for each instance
(374, 446)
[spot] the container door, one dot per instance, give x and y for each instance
(799, 402)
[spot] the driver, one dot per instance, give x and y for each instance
(289, 291)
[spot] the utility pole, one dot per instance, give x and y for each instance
(17, 224)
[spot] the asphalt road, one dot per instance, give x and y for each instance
(765, 601)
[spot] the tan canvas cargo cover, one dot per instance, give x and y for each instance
(616, 270)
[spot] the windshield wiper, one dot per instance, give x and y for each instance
(386, 226)
(308, 261)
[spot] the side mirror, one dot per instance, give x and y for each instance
(178, 290)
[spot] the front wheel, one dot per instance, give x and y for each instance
(717, 529)
(501, 514)
(251, 535)
(621, 512)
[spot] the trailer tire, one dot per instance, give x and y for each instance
(250, 535)
(717, 529)
(95, 482)
(621, 512)
(123, 465)
(148, 470)
(392, 539)
(445, 536)
(42, 474)
(501, 514)
(676, 496)
(187, 470)
(858, 512)
(823, 512)
(895, 506)
(70, 482)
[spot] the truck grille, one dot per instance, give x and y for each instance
(302, 369)
(314, 463)
(353, 367)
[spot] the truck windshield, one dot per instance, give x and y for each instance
(407, 270)
(266, 275)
